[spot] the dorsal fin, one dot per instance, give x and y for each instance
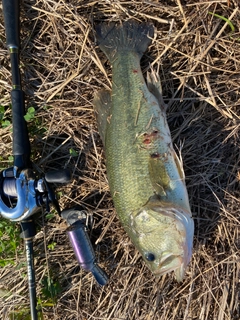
(102, 105)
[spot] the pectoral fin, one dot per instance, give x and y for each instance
(102, 106)
(158, 175)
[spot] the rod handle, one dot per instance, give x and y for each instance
(21, 144)
(11, 21)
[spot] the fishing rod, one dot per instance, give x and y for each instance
(22, 192)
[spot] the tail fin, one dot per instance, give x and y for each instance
(128, 36)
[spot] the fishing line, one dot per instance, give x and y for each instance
(9, 187)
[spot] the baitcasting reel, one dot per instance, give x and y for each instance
(21, 194)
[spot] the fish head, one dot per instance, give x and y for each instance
(163, 233)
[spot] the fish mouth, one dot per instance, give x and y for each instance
(171, 263)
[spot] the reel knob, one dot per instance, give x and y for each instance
(58, 176)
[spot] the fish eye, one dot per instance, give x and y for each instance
(150, 256)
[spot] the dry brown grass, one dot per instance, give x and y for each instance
(199, 61)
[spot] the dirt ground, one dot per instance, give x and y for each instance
(197, 50)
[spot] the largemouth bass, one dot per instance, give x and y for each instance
(146, 177)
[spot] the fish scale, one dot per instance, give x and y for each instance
(145, 176)
(123, 151)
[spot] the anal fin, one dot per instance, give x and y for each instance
(155, 87)
(179, 165)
